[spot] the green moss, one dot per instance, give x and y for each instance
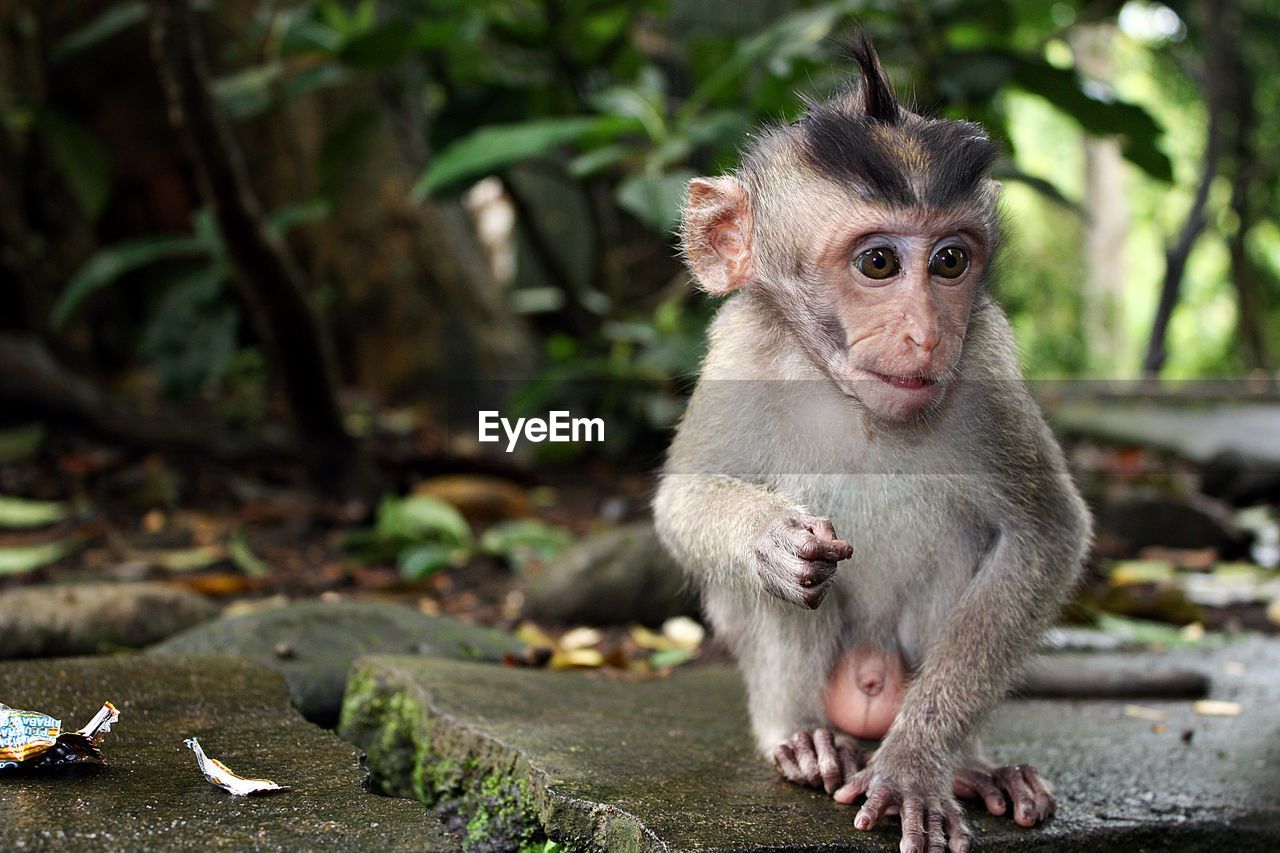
(408, 756)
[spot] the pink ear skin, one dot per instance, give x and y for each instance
(717, 234)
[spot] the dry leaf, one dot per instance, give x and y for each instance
(684, 632)
(1142, 712)
(571, 658)
(580, 638)
(1216, 708)
(646, 639)
(532, 635)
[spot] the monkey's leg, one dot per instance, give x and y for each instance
(979, 779)
(819, 758)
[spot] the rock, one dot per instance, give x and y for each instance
(94, 618)
(517, 754)
(151, 796)
(312, 644)
(1141, 520)
(618, 576)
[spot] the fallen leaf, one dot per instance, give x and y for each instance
(684, 632)
(1273, 612)
(646, 639)
(186, 559)
(532, 635)
(21, 513)
(670, 658)
(1142, 712)
(1216, 708)
(580, 638)
(246, 561)
(17, 443)
(18, 561)
(478, 497)
(1133, 572)
(571, 658)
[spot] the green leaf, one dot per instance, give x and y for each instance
(114, 19)
(249, 92)
(1139, 132)
(81, 159)
(22, 513)
(655, 199)
(670, 658)
(495, 147)
(18, 561)
(243, 557)
(191, 337)
(419, 561)
(107, 265)
(290, 216)
(21, 442)
(1150, 633)
(523, 540)
(421, 518)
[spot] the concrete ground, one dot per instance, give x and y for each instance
(668, 765)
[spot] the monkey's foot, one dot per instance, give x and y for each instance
(818, 759)
(1033, 801)
(931, 820)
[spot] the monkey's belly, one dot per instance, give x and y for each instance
(864, 692)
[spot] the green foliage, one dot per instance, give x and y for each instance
(494, 147)
(112, 20)
(80, 158)
(421, 534)
(522, 540)
(109, 264)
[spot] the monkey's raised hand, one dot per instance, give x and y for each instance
(796, 558)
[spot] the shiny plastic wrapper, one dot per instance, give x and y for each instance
(30, 739)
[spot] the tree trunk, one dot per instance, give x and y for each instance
(1216, 53)
(268, 281)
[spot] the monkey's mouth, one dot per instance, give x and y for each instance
(907, 383)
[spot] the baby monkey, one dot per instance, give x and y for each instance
(861, 380)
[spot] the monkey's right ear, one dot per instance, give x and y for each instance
(716, 234)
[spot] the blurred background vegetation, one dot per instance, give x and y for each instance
(222, 219)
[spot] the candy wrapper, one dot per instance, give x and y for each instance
(29, 739)
(227, 779)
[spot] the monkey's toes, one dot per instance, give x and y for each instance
(1033, 802)
(815, 760)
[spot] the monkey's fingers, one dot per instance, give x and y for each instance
(958, 832)
(1045, 803)
(979, 784)
(829, 767)
(825, 550)
(878, 802)
(1025, 810)
(914, 835)
(784, 758)
(807, 758)
(853, 788)
(850, 763)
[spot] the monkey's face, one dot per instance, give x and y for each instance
(893, 298)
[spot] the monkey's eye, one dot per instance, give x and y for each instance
(950, 262)
(878, 263)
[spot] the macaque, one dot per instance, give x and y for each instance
(879, 519)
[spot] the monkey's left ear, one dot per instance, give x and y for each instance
(716, 234)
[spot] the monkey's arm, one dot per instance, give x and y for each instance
(724, 530)
(1020, 583)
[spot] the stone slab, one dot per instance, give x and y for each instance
(313, 643)
(151, 795)
(668, 765)
(94, 618)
